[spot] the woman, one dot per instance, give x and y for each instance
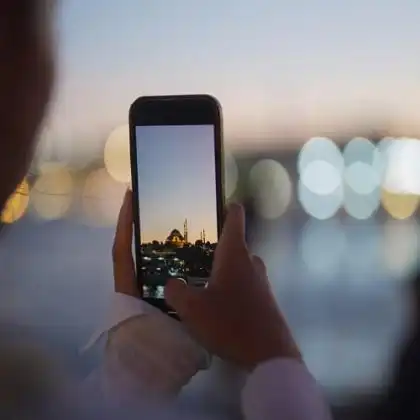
(245, 329)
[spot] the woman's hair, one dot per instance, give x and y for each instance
(27, 54)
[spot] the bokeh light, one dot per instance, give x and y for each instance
(320, 188)
(362, 195)
(381, 158)
(17, 204)
(401, 180)
(400, 206)
(271, 188)
(361, 206)
(320, 149)
(117, 154)
(231, 175)
(361, 150)
(321, 177)
(52, 193)
(320, 206)
(402, 174)
(102, 198)
(362, 178)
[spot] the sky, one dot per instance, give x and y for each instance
(281, 69)
(176, 169)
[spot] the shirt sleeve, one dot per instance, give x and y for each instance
(121, 308)
(147, 353)
(283, 389)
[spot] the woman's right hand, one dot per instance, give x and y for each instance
(236, 317)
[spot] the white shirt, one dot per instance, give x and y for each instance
(142, 359)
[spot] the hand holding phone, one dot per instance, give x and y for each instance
(176, 161)
(176, 156)
(236, 317)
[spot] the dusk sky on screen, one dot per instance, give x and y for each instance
(176, 168)
(271, 63)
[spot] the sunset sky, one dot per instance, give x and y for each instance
(176, 168)
(277, 66)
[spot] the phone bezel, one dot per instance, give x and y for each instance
(174, 110)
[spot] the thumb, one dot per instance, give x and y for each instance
(233, 235)
(178, 295)
(234, 225)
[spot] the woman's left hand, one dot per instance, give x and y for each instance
(150, 353)
(124, 271)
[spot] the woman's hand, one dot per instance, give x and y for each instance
(236, 317)
(150, 353)
(124, 271)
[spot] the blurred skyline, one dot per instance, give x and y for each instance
(282, 70)
(177, 181)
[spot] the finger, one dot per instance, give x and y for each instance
(234, 225)
(124, 271)
(179, 296)
(261, 272)
(259, 267)
(233, 234)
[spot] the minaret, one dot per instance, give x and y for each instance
(186, 231)
(204, 236)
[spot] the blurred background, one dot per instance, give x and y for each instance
(320, 101)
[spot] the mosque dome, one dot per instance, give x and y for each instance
(175, 237)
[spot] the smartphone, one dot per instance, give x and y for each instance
(176, 150)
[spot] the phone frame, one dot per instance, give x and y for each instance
(174, 110)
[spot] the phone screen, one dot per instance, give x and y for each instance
(177, 198)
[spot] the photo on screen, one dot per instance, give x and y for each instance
(177, 203)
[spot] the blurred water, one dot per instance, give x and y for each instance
(57, 278)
